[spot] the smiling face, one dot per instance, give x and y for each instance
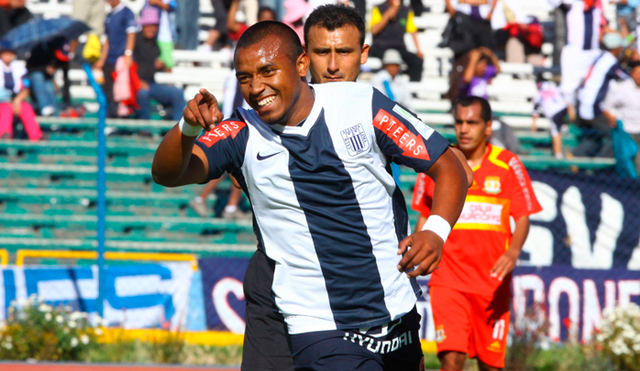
(471, 130)
(271, 82)
(335, 55)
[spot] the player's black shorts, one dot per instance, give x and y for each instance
(266, 344)
(393, 347)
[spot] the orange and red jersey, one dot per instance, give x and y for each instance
(501, 189)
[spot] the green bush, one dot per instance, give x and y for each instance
(38, 331)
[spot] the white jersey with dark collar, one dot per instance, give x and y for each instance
(326, 208)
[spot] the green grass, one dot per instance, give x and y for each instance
(172, 352)
(570, 357)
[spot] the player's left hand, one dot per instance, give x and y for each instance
(425, 253)
(504, 265)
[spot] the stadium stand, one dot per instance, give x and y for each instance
(48, 196)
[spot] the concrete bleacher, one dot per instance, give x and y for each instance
(48, 188)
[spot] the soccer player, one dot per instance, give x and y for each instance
(470, 291)
(315, 163)
(334, 42)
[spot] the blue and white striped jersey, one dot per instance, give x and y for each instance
(326, 208)
(595, 86)
(583, 26)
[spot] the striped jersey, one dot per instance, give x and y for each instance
(583, 26)
(326, 207)
(595, 85)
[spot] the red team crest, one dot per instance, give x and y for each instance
(222, 131)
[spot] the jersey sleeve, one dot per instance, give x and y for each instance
(130, 22)
(403, 137)
(225, 146)
(523, 198)
(422, 195)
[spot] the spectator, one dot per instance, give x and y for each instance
(187, 27)
(14, 89)
(559, 8)
(219, 32)
(91, 12)
(42, 64)
(147, 54)
(472, 25)
(165, 37)
(389, 22)
(594, 139)
(473, 74)
(509, 20)
(549, 102)
(389, 81)
(623, 103)
(626, 15)
(121, 28)
(297, 10)
(236, 29)
(582, 48)
(14, 16)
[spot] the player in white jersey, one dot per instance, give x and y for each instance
(315, 164)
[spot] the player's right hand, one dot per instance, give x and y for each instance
(203, 111)
(424, 254)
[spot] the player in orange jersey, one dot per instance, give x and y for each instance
(470, 290)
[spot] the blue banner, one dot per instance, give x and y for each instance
(136, 295)
(223, 296)
(587, 222)
(582, 256)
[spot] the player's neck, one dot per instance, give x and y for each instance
(475, 156)
(302, 107)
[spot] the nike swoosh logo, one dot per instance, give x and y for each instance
(261, 158)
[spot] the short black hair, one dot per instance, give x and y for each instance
(267, 29)
(633, 64)
(332, 16)
(485, 107)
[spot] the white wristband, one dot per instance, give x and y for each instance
(189, 130)
(437, 225)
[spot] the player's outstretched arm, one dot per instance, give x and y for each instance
(448, 199)
(177, 161)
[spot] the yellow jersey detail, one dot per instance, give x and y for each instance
(493, 157)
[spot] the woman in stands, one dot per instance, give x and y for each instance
(14, 89)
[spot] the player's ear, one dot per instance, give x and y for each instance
(364, 54)
(488, 128)
(302, 64)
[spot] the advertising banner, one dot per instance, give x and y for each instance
(223, 296)
(582, 255)
(136, 296)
